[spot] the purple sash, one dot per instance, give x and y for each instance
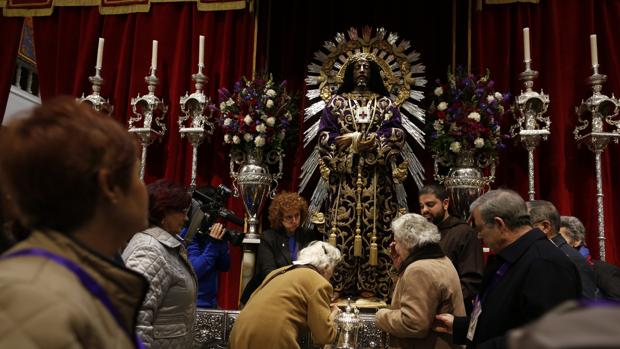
(87, 281)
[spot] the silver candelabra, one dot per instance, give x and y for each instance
(199, 117)
(146, 109)
(603, 110)
(531, 126)
(95, 100)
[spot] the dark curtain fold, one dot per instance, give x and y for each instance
(69, 59)
(560, 50)
(10, 28)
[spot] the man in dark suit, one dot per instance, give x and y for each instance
(545, 217)
(525, 278)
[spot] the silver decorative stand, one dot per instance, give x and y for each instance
(531, 126)
(146, 109)
(95, 100)
(213, 326)
(603, 110)
(200, 115)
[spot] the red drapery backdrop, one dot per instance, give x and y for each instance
(67, 60)
(560, 50)
(10, 29)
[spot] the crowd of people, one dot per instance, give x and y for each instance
(93, 258)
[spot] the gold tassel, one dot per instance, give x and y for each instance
(372, 259)
(357, 245)
(332, 236)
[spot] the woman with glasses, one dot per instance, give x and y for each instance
(280, 244)
(167, 314)
(427, 285)
(290, 299)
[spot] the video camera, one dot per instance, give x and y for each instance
(210, 201)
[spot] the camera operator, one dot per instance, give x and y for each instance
(209, 256)
(208, 248)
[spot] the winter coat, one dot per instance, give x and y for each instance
(44, 305)
(167, 315)
(426, 288)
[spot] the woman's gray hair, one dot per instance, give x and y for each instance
(320, 254)
(574, 228)
(413, 230)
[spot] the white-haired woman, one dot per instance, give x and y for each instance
(290, 299)
(427, 285)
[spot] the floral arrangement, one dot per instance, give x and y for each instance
(465, 116)
(256, 115)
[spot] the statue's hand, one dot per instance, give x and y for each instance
(366, 144)
(343, 142)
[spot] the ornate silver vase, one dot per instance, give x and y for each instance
(465, 182)
(253, 181)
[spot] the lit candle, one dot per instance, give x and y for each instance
(201, 51)
(154, 55)
(593, 50)
(526, 44)
(99, 54)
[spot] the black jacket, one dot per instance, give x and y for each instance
(273, 253)
(539, 277)
(586, 273)
(460, 243)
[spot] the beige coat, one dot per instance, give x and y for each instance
(167, 315)
(281, 308)
(44, 305)
(427, 287)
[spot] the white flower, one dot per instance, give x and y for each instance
(438, 125)
(479, 142)
(438, 91)
(271, 121)
(288, 116)
(222, 106)
(455, 147)
(269, 104)
(247, 137)
(270, 93)
(236, 139)
(498, 96)
(230, 102)
(474, 116)
(442, 106)
(227, 121)
(490, 99)
(259, 141)
(227, 138)
(247, 119)
(261, 128)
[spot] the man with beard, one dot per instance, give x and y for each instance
(459, 241)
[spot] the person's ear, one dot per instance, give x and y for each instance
(445, 203)
(108, 190)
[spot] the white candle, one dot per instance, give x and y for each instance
(593, 50)
(154, 55)
(100, 53)
(526, 44)
(201, 51)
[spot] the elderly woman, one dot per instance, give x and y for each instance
(72, 175)
(427, 285)
(289, 300)
(167, 315)
(279, 245)
(574, 233)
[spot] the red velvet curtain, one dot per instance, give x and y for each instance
(67, 44)
(559, 34)
(11, 33)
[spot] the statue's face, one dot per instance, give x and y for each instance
(361, 69)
